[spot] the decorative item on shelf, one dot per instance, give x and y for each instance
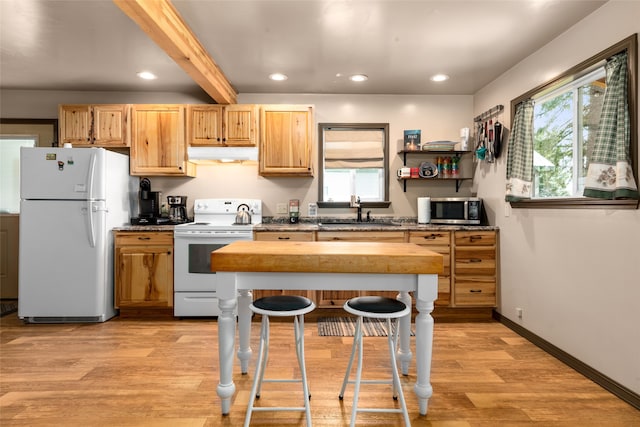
(404, 172)
(439, 146)
(464, 139)
(414, 173)
(455, 166)
(412, 140)
(428, 170)
(446, 167)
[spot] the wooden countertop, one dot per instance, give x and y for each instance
(326, 257)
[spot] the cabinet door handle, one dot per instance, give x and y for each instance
(475, 260)
(168, 252)
(144, 238)
(475, 291)
(283, 238)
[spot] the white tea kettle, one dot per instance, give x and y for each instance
(243, 216)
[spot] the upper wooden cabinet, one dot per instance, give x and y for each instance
(286, 139)
(158, 141)
(222, 125)
(101, 125)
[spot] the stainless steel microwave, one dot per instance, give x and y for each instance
(456, 210)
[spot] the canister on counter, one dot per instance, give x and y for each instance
(424, 210)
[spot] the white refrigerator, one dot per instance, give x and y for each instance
(70, 199)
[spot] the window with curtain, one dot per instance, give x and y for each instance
(574, 140)
(353, 162)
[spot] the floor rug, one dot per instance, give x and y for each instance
(8, 306)
(345, 327)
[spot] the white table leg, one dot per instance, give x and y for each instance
(244, 329)
(226, 343)
(404, 351)
(425, 296)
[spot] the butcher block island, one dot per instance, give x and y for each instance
(327, 257)
(404, 268)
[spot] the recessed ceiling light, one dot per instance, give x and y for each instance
(147, 75)
(439, 78)
(278, 77)
(358, 78)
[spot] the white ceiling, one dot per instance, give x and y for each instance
(92, 45)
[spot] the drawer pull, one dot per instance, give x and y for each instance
(283, 238)
(475, 260)
(475, 291)
(474, 238)
(144, 238)
(430, 237)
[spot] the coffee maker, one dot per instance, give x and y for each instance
(177, 209)
(149, 202)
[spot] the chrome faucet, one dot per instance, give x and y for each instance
(355, 203)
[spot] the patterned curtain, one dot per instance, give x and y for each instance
(520, 154)
(610, 175)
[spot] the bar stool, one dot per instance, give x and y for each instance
(280, 306)
(379, 308)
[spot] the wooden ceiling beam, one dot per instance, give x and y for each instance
(160, 20)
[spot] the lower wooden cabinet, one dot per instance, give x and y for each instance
(143, 269)
(440, 242)
(338, 298)
(470, 263)
(475, 268)
(286, 236)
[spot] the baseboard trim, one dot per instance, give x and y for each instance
(605, 382)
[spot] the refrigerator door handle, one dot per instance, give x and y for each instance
(90, 178)
(90, 209)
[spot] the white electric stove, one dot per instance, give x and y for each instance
(214, 226)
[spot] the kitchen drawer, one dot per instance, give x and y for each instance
(444, 291)
(295, 236)
(144, 238)
(476, 260)
(475, 291)
(475, 238)
(430, 238)
(362, 236)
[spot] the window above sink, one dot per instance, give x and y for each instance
(353, 160)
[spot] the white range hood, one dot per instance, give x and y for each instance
(222, 154)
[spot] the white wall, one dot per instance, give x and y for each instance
(575, 273)
(439, 117)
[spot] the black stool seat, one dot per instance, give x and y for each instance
(282, 303)
(376, 305)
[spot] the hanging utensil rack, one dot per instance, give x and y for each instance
(490, 113)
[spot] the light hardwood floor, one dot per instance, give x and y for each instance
(128, 372)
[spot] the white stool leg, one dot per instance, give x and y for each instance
(350, 364)
(265, 333)
(299, 337)
(397, 386)
(356, 390)
(257, 380)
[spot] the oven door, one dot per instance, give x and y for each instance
(192, 262)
